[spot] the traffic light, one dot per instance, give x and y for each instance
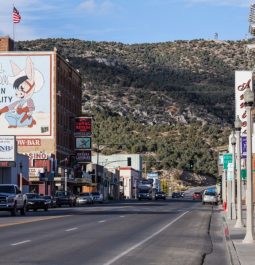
(72, 160)
(191, 164)
(129, 162)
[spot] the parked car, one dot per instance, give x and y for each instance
(176, 195)
(63, 198)
(160, 195)
(50, 200)
(97, 197)
(197, 196)
(210, 196)
(84, 198)
(35, 202)
(12, 200)
(182, 194)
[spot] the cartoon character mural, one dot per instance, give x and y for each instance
(26, 82)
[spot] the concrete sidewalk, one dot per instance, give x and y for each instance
(240, 253)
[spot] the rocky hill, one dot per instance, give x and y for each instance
(159, 97)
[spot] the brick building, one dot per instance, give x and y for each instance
(44, 124)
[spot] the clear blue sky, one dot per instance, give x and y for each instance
(127, 21)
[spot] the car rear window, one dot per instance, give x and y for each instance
(33, 196)
(209, 193)
(84, 194)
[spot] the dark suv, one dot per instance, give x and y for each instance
(160, 195)
(63, 198)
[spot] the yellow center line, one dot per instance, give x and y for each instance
(33, 220)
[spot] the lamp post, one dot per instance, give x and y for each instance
(224, 187)
(229, 187)
(233, 182)
(20, 176)
(239, 221)
(249, 237)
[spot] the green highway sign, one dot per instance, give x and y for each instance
(243, 174)
(227, 158)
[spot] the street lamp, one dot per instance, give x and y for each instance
(20, 176)
(233, 182)
(229, 184)
(249, 237)
(239, 221)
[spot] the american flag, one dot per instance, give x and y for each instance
(16, 16)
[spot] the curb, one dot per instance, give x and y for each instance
(233, 256)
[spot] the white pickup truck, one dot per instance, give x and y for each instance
(12, 200)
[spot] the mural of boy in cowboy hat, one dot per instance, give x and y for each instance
(26, 82)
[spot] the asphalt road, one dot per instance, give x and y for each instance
(127, 233)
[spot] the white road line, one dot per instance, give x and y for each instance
(122, 216)
(101, 221)
(71, 229)
(19, 243)
(144, 241)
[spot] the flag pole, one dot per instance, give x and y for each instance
(13, 29)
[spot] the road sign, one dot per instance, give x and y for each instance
(230, 172)
(220, 160)
(227, 158)
(243, 174)
(152, 175)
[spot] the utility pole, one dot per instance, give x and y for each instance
(233, 199)
(20, 177)
(239, 221)
(249, 237)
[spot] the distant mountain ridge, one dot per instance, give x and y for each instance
(171, 101)
(157, 83)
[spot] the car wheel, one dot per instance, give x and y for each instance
(14, 211)
(46, 209)
(35, 209)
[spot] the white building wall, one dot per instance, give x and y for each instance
(130, 180)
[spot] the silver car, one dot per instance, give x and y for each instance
(210, 196)
(84, 198)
